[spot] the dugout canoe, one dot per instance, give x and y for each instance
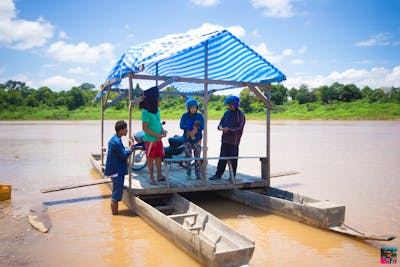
(322, 214)
(190, 227)
(194, 230)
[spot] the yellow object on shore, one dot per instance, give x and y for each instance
(5, 191)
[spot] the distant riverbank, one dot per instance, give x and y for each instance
(358, 110)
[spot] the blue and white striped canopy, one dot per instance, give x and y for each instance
(183, 55)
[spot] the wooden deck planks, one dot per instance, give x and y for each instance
(179, 182)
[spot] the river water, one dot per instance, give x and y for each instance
(349, 162)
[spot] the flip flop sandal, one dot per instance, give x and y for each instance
(162, 179)
(153, 182)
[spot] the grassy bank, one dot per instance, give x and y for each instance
(358, 110)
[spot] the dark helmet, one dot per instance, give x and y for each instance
(191, 102)
(232, 100)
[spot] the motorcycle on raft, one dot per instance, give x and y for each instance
(175, 148)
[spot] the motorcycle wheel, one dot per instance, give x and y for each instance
(139, 159)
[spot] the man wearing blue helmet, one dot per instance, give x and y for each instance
(192, 124)
(231, 125)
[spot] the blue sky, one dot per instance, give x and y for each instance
(317, 42)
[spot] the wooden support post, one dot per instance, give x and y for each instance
(103, 105)
(265, 172)
(166, 173)
(157, 73)
(231, 173)
(205, 135)
(268, 141)
(130, 128)
(102, 132)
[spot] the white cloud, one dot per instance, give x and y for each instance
(7, 10)
(265, 53)
(297, 62)
(55, 83)
(285, 55)
(22, 34)
(381, 39)
(236, 30)
(274, 8)
(303, 50)
(82, 71)
(393, 77)
(256, 34)
(271, 56)
(48, 66)
(205, 3)
(81, 53)
(22, 77)
(288, 52)
(63, 35)
(375, 77)
(58, 83)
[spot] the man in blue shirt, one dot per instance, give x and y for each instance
(231, 125)
(116, 165)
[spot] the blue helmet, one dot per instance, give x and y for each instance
(232, 100)
(191, 102)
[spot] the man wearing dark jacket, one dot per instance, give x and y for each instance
(231, 125)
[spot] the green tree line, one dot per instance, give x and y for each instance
(325, 95)
(19, 99)
(14, 94)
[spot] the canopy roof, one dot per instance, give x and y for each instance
(184, 55)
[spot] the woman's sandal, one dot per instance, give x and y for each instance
(161, 179)
(153, 182)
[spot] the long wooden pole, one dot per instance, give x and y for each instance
(72, 186)
(156, 73)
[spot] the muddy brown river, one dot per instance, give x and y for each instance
(355, 163)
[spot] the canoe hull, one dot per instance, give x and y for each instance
(322, 214)
(212, 243)
(203, 245)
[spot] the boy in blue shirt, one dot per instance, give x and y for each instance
(116, 166)
(192, 124)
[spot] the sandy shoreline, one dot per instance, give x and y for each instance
(14, 240)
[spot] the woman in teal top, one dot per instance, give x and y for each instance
(153, 132)
(154, 125)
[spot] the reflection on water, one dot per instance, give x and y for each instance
(352, 163)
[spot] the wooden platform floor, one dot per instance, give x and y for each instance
(179, 183)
